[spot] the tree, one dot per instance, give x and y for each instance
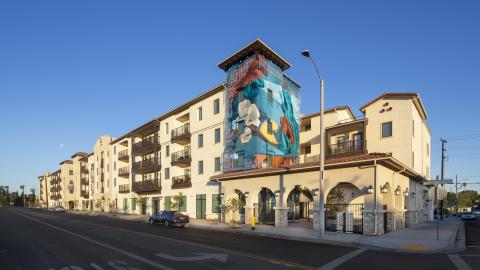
(233, 206)
(467, 198)
(177, 202)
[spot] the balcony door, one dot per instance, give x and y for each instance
(201, 206)
(357, 141)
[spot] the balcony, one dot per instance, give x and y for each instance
(83, 170)
(124, 172)
(182, 158)
(147, 186)
(150, 165)
(123, 155)
(84, 181)
(181, 181)
(346, 148)
(124, 188)
(181, 135)
(146, 146)
(84, 194)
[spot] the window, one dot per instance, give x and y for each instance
(387, 130)
(114, 165)
(216, 202)
(341, 139)
(134, 204)
(108, 168)
(217, 164)
(200, 140)
(114, 182)
(114, 149)
(269, 127)
(200, 113)
(167, 173)
(200, 167)
(239, 162)
(125, 204)
(241, 127)
(108, 153)
(270, 96)
(182, 203)
(428, 172)
(167, 151)
(308, 127)
(308, 149)
(217, 135)
(428, 149)
(216, 106)
(269, 161)
(168, 203)
(71, 172)
(166, 128)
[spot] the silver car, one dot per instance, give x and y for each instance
(468, 216)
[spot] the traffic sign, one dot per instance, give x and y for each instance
(438, 182)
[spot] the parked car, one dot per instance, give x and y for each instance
(476, 213)
(169, 218)
(57, 209)
(468, 216)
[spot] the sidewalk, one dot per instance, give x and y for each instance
(420, 238)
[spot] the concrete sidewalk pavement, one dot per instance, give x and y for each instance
(420, 238)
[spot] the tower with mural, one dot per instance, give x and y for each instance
(262, 110)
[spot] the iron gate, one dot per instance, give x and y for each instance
(344, 218)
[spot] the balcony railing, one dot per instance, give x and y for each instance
(147, 166)
(182, 158)
(83, 169)
(84, 181)
(84, 194)
(147, 145)
(124, 172)
(124, 155)
(181, 181)
(181, 134)
(124, 188)
(348, 147)
(147, 186)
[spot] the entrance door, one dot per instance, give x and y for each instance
(201, 206)
(357, 141)
(155, 204)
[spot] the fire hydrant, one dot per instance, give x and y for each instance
(252, 221)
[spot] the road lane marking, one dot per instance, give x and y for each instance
(239, 253)
(199, 257)
(96, 266)
(124, 252)
(458, 262)
(340, 260)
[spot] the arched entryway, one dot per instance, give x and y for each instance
(344, 209)
(264, 209)
(71, 205)
(299, 202)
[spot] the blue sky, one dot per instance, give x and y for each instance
(71, 71)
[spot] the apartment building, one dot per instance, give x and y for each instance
(247, 139)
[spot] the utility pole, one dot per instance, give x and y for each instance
(442, 172)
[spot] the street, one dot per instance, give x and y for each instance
(38, 239)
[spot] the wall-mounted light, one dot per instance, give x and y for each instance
(221, 195)
(384, 189)
(277, 193)
(370, 189)
(246, 194)
(353, 194)
(405, 193)
(413, 194)
(398, 191)
(315, 192)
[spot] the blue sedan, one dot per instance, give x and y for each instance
(169, 218)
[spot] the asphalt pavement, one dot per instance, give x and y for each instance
(39, 239)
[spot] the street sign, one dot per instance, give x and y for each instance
(438, 182)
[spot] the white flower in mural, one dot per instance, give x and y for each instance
(243, 108)
(246, 136)
(253, 116)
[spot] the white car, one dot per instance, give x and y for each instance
(468, 216)
(58, 209)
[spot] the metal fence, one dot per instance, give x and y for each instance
(344, 218)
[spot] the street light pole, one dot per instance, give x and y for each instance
(321, 206)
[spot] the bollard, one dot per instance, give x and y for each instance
(252, 221)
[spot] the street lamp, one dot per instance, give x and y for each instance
(321, 221)
(370, 189)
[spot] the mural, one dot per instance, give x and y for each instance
(263, 116)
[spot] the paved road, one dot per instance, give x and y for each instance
(33, 239)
